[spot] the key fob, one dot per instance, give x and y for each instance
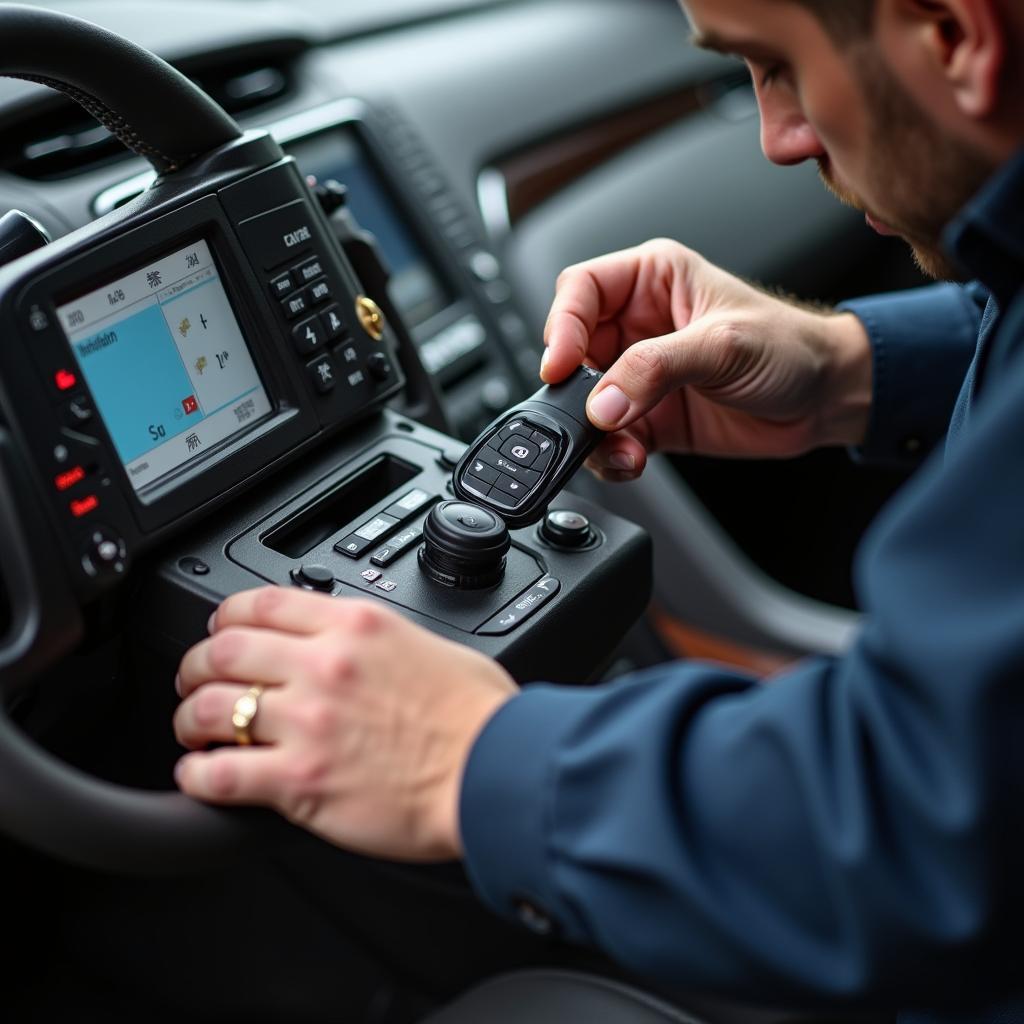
(525, 457)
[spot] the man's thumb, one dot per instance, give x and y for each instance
(644, 374)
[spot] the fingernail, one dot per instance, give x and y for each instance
(544, 360)
(609, 406)
(179, 771)
(177, 684)
(622, 461)
(210, 621)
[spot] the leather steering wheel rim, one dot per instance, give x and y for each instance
(116, 81)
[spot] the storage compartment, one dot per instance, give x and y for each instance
(348, 501)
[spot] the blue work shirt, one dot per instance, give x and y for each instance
(850, 832)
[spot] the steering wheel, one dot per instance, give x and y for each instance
(44, 802)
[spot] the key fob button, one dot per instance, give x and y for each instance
(522, 450)
(515, 488)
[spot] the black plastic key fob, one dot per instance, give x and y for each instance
(526, 456)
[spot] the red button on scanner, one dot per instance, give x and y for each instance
(66, 480)
(83, 506)
(65, 380)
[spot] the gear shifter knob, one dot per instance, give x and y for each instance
(464, 546)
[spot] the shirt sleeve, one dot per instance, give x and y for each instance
(922, 343)
(850, 830)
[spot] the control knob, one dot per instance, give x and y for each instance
(464, 546)
(314, 577)
(564, 529)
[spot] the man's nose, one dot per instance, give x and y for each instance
(786, 136)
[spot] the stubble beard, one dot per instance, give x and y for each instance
(925, 176)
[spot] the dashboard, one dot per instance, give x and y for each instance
(486, 146)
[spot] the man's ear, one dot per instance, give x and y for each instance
(962, 42)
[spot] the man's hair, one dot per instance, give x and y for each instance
(845, 20)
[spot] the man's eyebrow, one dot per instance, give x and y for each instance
(709, 41)
(751, 48)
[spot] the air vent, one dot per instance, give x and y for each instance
(63, 140)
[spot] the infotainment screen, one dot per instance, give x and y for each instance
(166, 362)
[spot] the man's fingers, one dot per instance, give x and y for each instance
(648, 371)
(587, 295)
(619, 457)
(240, 654)
(234, 775)
(204, 717)
(280, 608)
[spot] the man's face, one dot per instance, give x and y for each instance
(842, 106)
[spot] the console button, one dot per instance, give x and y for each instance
(566, 529)
(295, 306)
(318, 293)
(377, 528)
(105, 552)
(64, 379)
(309, 270)
(398, 545)
(333, 323)
(408, 505)
(80, 507)
(371, 575)
(522, 608)
(352, 546)
(78, 411)
(282, 285)
(322, 372)
(387, 586)
(314, 577)
(521, 449)
(308, 336)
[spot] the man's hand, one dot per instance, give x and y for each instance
(698, 361)
(364, 725)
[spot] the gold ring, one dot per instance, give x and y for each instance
(245, 710)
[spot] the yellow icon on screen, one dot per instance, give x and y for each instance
(184, 327)
(201, 365)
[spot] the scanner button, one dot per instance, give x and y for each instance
(318, 293)
(333, 323)
(308, 336)
(295, 306)
(309, 270)
(282, 285)
(521, 449)
(322, 372)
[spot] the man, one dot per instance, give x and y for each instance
(851, 832)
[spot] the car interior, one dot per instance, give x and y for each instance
(359, 209)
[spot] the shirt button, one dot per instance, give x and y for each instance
(533, 918)
(912, 445)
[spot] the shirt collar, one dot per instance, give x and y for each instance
(987, 237)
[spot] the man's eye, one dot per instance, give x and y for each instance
(770, 74)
